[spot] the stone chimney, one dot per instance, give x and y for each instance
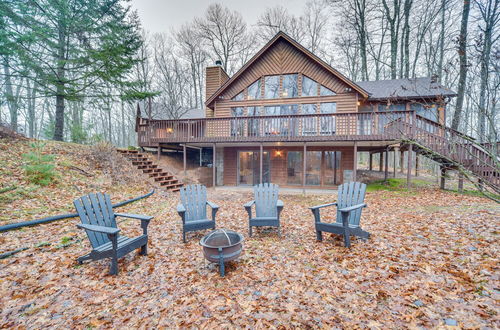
(215, 77)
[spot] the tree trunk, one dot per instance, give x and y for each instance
(462, 54)
(11, 98)
(60, 84)
(441, 42)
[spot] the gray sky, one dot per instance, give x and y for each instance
(161, 15)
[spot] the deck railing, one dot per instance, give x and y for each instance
(286, 128)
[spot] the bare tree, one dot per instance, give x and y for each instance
(462, 55)
(225, 32)
(277, 19)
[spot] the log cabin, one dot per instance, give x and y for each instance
(288, 117)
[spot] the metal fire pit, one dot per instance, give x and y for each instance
(222, 245)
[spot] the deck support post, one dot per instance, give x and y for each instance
(381, 162)
(201, 154)
(158, 151)
(442, 183)
(417, 158)
(214, 172)
(304, 169)
(386, 172)
(408, 170)
(355, 162)
(460, 182)
(402, 161)
(371, 162)
(261, 155)
(395, 152)
(184, 158)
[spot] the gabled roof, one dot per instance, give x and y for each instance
(276, 38)
(405, 89)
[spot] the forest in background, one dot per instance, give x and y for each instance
(74, 70)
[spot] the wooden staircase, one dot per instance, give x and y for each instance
(161, 177)
(454, 150)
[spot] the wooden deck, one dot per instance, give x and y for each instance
(373, 126)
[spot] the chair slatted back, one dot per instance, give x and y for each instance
(266, 197)
(96, 209)
(349, 194)
(194, 199)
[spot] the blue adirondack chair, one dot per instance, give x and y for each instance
(267, 207)
(193, 209)
(349, 204)
(99, 221)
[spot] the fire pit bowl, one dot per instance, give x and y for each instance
(222, 245)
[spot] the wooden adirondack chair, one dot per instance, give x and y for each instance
(193, 209)
(267, 207)
(349, 205)
(98, 219)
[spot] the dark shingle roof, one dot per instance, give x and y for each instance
(405, 89)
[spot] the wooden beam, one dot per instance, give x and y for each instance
(214, 172)
(416, 164)
(443, 179)
(402, 161)
(355, 162)
(261, 156)
(381, 162)
(408, 170)
(158, 151)
(395, 152)
(304, 168)
(371, 162)
(460, 182)
(184, 158)
(386, 172)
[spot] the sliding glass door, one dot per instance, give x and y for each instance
(322, 168)
(249, 167)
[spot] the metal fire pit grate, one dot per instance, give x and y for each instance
(222, 245)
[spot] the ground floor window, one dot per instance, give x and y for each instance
(322, 168)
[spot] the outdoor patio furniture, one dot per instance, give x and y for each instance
(267, 207)
(349, 204)
(98, 219)
(193, 209)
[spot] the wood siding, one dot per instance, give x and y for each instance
(284, 58)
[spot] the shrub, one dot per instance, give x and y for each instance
(39, 167)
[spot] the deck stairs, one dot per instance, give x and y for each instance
(456, 151)
(162, 178)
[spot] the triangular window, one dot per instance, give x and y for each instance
(323, 91)
(238, 97)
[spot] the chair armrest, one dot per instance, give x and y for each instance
(249, 204)
(248, 208)
(352, 208)
(134, 216)
(212, 205)
(321, 206)
(99, 229)
(279, 206)
(182, 211)
(214, 208)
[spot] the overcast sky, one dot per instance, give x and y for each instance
(161, 15)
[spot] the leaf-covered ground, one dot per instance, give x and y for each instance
(433, 256)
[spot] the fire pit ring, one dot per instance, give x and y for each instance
(222, 245)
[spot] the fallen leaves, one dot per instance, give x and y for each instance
(432, 257)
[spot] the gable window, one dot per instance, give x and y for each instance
(253, 126)
(309, 124)
(271, 87)
(237, 124)
(328, 122)
(238, 97)
(309, 87)
(323, 91)
(290, 85)
(254, 90)
(281, 125)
